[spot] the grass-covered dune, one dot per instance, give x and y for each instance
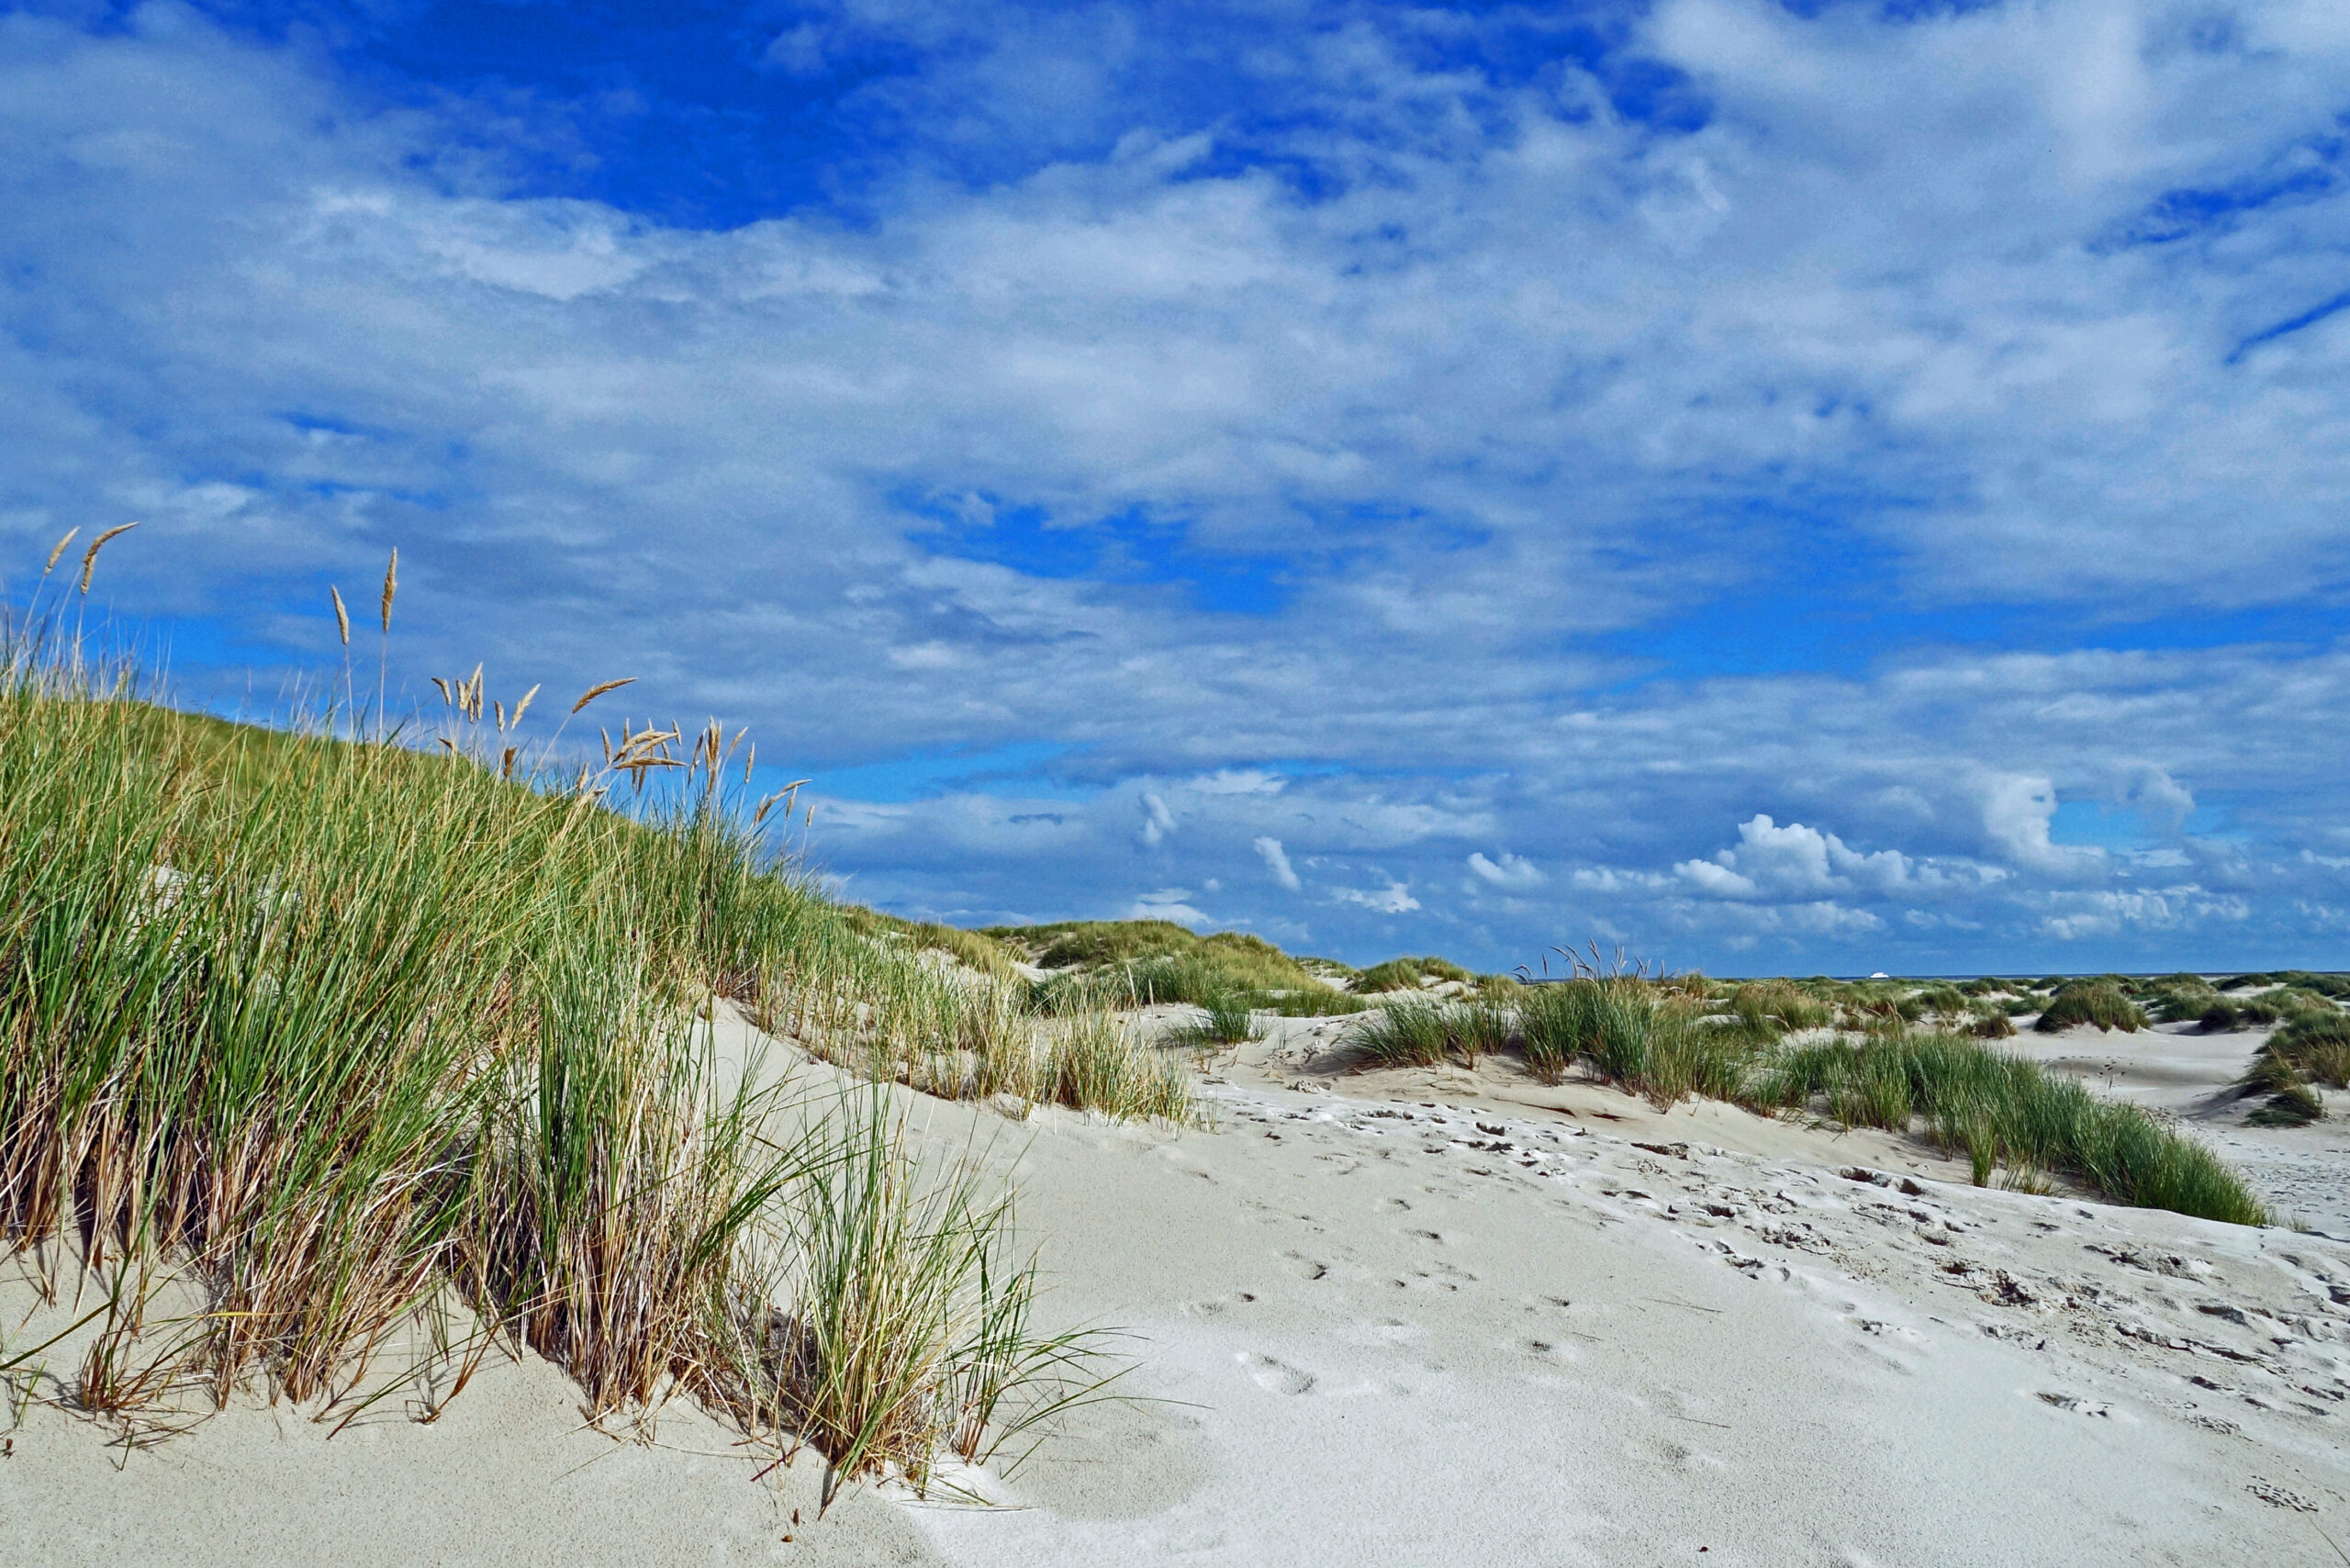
(1883, 1052)
(1158, 960)
(1429, 1009)
(337, 1038)
(1855, 1055)
(1093, 963)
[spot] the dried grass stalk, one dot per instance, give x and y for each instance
(599, 690)
(90, 556)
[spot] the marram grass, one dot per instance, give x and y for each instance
(341, 1034)
(1428, 1032)
(2002, 1110)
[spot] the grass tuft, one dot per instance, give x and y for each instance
(2090, 1001)
(340, 1033)
(1428, 1032)
(1410, 974)
(1775, 1005)
(1228, 1021)
(2004, 1111)
(2316, 1046)
(1993, 1026)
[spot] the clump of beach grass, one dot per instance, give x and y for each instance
(2090, 1001)
(1774, 1006)
(1944, 1002)
(1224, 1021)
(1411, 974)
(2003, 1111)
(2009, 1110)
(881, 1009)
(336, 1033)
(2177, 998)
(1429, 1033)
(1206, 974)
(2294, 1104)
(1095, 1063)
(1614, 1024)
(906, 1333)
(2313, 1047)
(2316, 1046)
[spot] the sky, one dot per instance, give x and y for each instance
(1774, 486)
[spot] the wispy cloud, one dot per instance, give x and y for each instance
(1276, 861)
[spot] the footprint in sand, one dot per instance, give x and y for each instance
(2076, 1403)
(1276, 1377)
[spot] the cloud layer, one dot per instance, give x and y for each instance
(1838, 489)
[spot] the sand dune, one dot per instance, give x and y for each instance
(1441, 1318)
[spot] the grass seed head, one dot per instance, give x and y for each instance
(90, 556)
(599, 689)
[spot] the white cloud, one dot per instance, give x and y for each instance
(1722, 881)
(2079, 915)
(1395, 898)
(2163, 801)
(1157, 822)
(1510, 871)
(1276, 861)
(1795, 860)
(2017, 810)
(1238, 781)
(1167, 904)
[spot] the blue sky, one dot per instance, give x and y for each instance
(1783, 487)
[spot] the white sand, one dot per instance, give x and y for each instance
(1437, 1319)
(2179, 1069)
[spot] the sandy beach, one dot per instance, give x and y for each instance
(1440, 1317)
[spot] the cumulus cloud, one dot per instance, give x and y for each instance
(2163, 800)
(1395, 898)
(1722, 881)
(1510, 871)
(1795, 860)
(1167, 904)
(2017, 811)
